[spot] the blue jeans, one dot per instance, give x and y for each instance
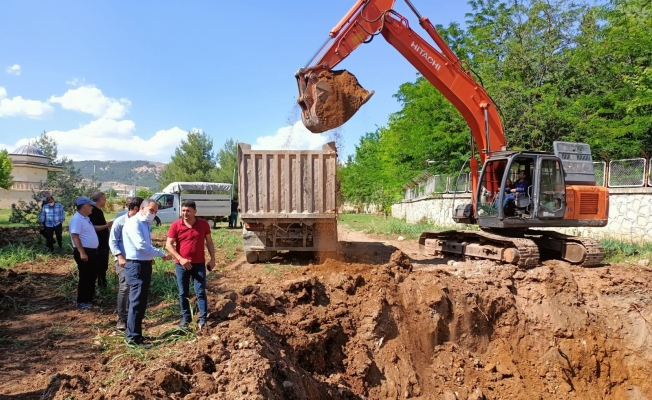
(198, 274)
(508, 197)
(139, 276)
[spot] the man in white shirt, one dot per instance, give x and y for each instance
(118, 251)
(85, 243)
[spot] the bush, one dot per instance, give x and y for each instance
(25, 213)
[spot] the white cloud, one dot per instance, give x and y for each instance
(106, 139)
(90, 100)
(295, 137)
(13, 70)
(76, 82)
(6, 147)
(19, 107)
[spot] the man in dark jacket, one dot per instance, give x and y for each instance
(103, 230)
(520, 187)
(233, 218)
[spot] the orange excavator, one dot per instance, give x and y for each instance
(548, 190)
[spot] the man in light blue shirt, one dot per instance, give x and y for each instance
(139, 253)
(118, 251)
(127, 208)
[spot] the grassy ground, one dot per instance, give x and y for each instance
(4, 219)
(163, 300)
(617, 250)
(390, 226)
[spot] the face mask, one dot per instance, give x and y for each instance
(150, 217)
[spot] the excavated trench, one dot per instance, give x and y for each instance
(350, 331)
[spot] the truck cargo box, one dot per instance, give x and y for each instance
(288, 200)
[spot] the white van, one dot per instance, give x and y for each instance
(213, 201)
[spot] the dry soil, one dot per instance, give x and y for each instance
(379, 322)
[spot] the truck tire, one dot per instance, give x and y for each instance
(157, 221)
(211, 223)
(266, 256)
(252, 257)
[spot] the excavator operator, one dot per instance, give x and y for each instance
(520, 188)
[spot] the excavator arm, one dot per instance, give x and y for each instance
(329, 98)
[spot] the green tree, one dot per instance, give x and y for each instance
(364, 171)
(227, 162)
(111, 193)
(5, 170)
(556, 70)
(193, 160)
(49, 147)
(65, 184)
(144, 193)
(613, 66)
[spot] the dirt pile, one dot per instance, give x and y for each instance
(470, 331)
(343, 99)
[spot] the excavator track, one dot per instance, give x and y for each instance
(587, 252)
(521, 251)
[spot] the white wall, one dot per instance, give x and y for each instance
(630, 213)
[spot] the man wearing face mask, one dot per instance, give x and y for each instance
(51, 220)
(139, 253)
(118, 251)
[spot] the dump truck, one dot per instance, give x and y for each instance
(288, 201)
(213, 201)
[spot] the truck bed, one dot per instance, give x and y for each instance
(287, 183)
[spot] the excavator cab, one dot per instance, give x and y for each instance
(521, 189)
(329, 98)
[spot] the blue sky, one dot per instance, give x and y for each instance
(126, 80)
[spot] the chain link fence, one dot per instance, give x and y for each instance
(627, 173)
(459, 183)
(600, 171)
(632, 172)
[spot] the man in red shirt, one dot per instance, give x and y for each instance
(186, 239)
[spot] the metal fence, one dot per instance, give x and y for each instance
(627, 173)
(632, 172)
(426, 184)
(600, 170)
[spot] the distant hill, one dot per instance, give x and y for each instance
(139, 173)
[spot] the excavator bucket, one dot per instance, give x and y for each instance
(329, 99)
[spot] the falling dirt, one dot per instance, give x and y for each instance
(382, 322)
(346, 96)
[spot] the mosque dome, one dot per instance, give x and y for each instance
(28, 150)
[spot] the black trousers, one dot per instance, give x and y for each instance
(87, 274)
(102, 265)
(50, 232)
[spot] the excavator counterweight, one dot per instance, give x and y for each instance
(329, 98)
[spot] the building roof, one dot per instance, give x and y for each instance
(28, 150)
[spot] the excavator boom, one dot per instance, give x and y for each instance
(329, 98)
